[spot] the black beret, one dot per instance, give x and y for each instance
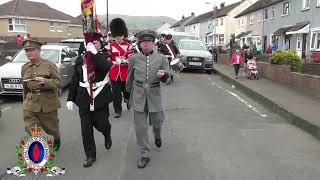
(147, 35)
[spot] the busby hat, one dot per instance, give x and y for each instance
(90, 37)
(147, 35)
(118, 28)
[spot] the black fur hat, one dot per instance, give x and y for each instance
(118, 28)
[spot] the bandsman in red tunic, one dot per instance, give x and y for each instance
(120, 51)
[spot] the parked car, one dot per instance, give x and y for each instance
(177, 36)
(72, 43)
(195, 55)
(10, 73)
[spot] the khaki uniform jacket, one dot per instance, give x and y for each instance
(40, 98)
(143, 82)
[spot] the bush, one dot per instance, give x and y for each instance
(287, 57)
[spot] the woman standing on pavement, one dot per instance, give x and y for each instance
(236, 61)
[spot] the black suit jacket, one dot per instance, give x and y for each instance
(79, 95)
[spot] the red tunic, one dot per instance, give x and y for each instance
(123, 49)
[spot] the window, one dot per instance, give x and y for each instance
(259, 18)
(251, 19)
(305, 4)
(315, 40)
(242, 22)
(265, 14)
(51, 27)
(318, 2)
(221, 38)
(59, 27)
(221, 21)
(272, 12)
(298, 42)
(17, 25)
(286, 8)
(239, 22)
(217, 22)
(194, 27)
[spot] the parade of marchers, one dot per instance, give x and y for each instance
(115, 72)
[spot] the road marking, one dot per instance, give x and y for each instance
(240, 99)
(6, 108)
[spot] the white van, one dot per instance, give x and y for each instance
(177, 36)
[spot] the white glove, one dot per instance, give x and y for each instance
(90, 47)
(70, 105)
(125, 61)
(118, 60)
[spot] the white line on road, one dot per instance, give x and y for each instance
(240, 99)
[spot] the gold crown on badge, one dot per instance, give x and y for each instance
(36, 131)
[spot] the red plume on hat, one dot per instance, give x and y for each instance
(118, 28)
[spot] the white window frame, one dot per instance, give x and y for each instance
(239, 22)
(52, 27)
(217, 22)
(59, 27)
(221, 22)
(264, 14)
(318, 3)
(242, 22)
(299, 42)
(284, 8)
(315, 46)
(251, 19)
(273, 13)
(305, 5)
(15, 23)
(222, 37)
(259, 18)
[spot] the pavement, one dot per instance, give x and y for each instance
(297, 107)
(212, 131)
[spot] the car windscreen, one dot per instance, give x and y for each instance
(189, 45)
(73, 45)
(48, 54)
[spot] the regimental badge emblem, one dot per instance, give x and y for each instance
(36, 154)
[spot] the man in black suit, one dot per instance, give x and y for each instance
(79, 94)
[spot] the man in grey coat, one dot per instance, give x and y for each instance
(146, 70)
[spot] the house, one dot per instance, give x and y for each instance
(224, 22)
(201, 26)
(165, 28)
(249, 26)
(179, 26)
(19, 17)
(293, 24)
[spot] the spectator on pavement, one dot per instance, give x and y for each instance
(259, 48)
(269, 50)
(19, 40)
(26, 37)
(236, 61)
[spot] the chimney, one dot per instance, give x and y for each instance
(192, 14)
(222, 5)
(182, 16)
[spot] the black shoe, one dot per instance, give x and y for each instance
(117, 115)
(57, 143)
(143, 161)
(108, 143)
(88, 162)
(158, 142)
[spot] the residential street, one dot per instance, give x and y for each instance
(211, 132)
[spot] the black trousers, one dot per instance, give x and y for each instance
(118, 88)
(236, 68)
(99, 120)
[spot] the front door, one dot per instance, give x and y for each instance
(299, 45)
(304, 46)
(265, 41)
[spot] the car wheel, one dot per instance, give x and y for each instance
(209, 71)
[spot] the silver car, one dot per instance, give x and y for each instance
(195, 55)
(10, 73)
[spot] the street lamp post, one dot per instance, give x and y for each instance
(107, 18)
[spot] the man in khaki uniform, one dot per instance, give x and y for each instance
(40, 99)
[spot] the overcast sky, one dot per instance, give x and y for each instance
(171, 8)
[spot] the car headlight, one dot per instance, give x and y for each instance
(210, 58)
(182, 57)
